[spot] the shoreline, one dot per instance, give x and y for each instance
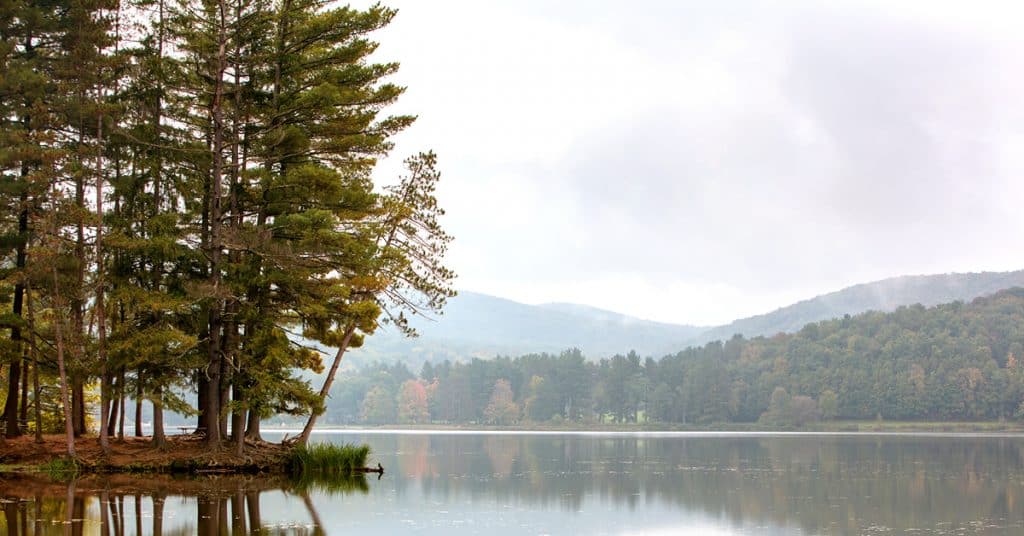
(183, 455)
(833, 427)
(186, 454)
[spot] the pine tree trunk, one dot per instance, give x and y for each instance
(216, 320)
(33, 353)
(78, 406)
(59, 335)
(77, 338)
(138, 405)
(113, 413)
(159, 439)
(252, 426)
(202, 390)
(100, 306)
(238, 419)
(11, 406)
(121, 398)
(225, 392)
(23, 406)
(14, 371)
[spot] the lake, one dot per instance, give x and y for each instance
(575, 483)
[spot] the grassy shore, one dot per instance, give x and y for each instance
(327, 459)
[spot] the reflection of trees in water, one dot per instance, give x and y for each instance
(502, 454)
(821, 485)
(838, 484)
(222, 506)
(414, 452)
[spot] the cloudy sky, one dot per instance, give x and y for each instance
(697, 162)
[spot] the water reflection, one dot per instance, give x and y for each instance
(514, 484)
(117, 505)
(815, 484)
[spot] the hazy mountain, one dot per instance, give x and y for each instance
(884, 295)
(478, 325)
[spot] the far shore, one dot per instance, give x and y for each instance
(187, 454)
(873, 426)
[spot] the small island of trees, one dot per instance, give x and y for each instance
(187, 206)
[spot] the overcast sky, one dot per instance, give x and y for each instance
(696, 162)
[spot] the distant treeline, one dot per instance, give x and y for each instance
(950, 362)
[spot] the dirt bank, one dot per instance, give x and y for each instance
(182, 454)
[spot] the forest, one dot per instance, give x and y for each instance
(952, 362)
(186, 195)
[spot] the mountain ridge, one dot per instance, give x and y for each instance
(477, 325)
(880, 295)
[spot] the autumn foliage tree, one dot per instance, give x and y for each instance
(412, 403)
(502, 408)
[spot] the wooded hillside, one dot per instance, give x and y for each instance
(954, 361)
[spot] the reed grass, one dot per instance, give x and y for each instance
(327, 460)
(60, 468)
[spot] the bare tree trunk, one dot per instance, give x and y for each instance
(120, 514)
(106, 509)
(318, 526)
(222, 515)
(58, 322)
(138, 513)
(328, 381)
(11, 517)
(158, 514)
(206, 512)
(112, 402)
(238, 513)
(252, 505)
(100, 309)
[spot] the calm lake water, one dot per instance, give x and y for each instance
(503, 483)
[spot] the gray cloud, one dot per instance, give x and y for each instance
(701, 161)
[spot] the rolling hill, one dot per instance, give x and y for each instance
(884, 295)
(477, 325)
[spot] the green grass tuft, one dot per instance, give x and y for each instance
(326, 460)
(60, 468)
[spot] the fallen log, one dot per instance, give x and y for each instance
(379, 469)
